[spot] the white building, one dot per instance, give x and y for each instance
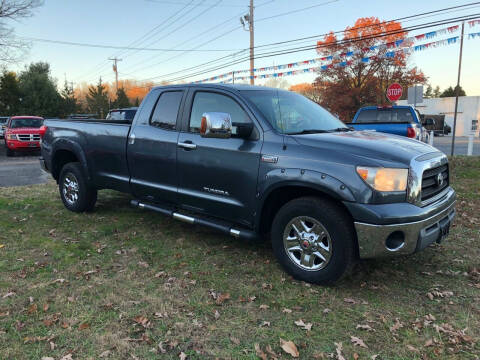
(468, 112)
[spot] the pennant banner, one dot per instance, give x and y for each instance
(403, 45)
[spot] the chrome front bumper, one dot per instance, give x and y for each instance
(415, 236)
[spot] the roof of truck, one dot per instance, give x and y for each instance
(220, 86)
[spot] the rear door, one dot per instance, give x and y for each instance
(218, 176)
(152, 146)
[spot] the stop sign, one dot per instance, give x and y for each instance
(394, 92)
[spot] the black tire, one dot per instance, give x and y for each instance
(84, 197)
(339, 229)
(10, 152)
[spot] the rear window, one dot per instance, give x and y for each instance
(385, 116)
(26, 123)
(3, 120)
(121, 115)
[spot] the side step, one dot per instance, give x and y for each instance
(239, 233)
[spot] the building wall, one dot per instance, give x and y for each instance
(468, 110)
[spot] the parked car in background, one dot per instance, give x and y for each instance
(397, 120)
(22, 133)
(3, 125)
(436, 123)
(126, 114)
(255, 162)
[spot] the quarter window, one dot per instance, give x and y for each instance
(166, 110)
(212, 102)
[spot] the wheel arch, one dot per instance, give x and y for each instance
(65, 152)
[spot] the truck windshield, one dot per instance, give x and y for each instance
(26, 123)
(291, 113)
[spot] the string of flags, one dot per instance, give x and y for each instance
(342, 58)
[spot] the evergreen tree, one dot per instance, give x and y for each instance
(39, 91)
(97, 99)
(122, 100)
(10, 94)
(69, 102)
(436, 92)
(137, 102)
(451, 92)
(428, 92)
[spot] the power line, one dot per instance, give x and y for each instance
(102, 46)
(295, 50)
(180, 3)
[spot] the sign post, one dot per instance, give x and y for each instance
(394, 92)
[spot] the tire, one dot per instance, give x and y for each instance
(333, 239)
(10, 152)
(77, 195)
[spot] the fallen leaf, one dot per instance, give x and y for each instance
(32, 309)
(104, 354)
(355, 356)
(182, 356)
(45, 307)
(83, 326)
(259, 352)
(301, 324)
(338, 349)
(217, 315)
(11, 293)
(396, 326)
(365, 327)
(287, 311)
(271, 352)
(142, 320)
(235, 340)
(265, 323)
(221, 298)
(67, 357)
(358, 342)
(326, 310)
(2, 246)
(264, 307)
(289, 347)
(47, 358)
(428, 343)
(350, 301)
(411, 348)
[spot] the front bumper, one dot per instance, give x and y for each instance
(431, 224)
(23, 145)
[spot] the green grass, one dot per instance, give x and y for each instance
(107, 268)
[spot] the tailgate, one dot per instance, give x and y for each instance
(390, 128)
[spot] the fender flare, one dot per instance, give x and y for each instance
(318, 181)
(76, 149)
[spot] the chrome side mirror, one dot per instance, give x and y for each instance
(216, 125)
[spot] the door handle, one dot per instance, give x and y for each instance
(131, 139)
(187, 145)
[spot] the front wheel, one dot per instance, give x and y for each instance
(10, 152)
(313, 239)
(75, 192)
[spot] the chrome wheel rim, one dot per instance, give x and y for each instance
(70, 189)
(307, 243)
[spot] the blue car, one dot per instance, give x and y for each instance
(397, 120)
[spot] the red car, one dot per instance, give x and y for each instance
(23, 134)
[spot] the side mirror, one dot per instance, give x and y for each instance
(242, 130)
(216, 125)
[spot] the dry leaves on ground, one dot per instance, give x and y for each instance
(289, 347)
(358, 342)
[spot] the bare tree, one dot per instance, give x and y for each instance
(11, 48)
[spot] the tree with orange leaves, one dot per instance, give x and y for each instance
(362, 65)
(308, 90)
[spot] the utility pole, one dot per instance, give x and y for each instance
(457, 89)
(251, 29)
(115, 69)
(252, 42)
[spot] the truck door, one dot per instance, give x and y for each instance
(152, 147)
(218, 176)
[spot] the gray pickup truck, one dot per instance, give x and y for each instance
(255, 162)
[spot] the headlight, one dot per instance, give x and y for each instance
(384, 179)
(11, 137)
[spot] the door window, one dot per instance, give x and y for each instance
(213, 102)
(166, 110)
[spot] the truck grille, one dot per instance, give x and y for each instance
(434, 181)
(28, 137)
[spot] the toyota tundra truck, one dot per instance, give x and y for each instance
(257, 163)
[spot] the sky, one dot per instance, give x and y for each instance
(187, 24)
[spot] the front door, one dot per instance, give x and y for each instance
(218, 176)
(152, 149)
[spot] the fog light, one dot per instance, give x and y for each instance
(395, 241)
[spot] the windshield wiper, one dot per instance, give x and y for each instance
(309, 131)
(341, 129)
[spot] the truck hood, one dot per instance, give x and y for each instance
(23, 131)
(368, 145)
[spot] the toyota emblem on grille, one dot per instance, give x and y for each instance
(439, 180)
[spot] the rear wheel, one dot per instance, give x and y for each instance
(75, 192)
(313, 239)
